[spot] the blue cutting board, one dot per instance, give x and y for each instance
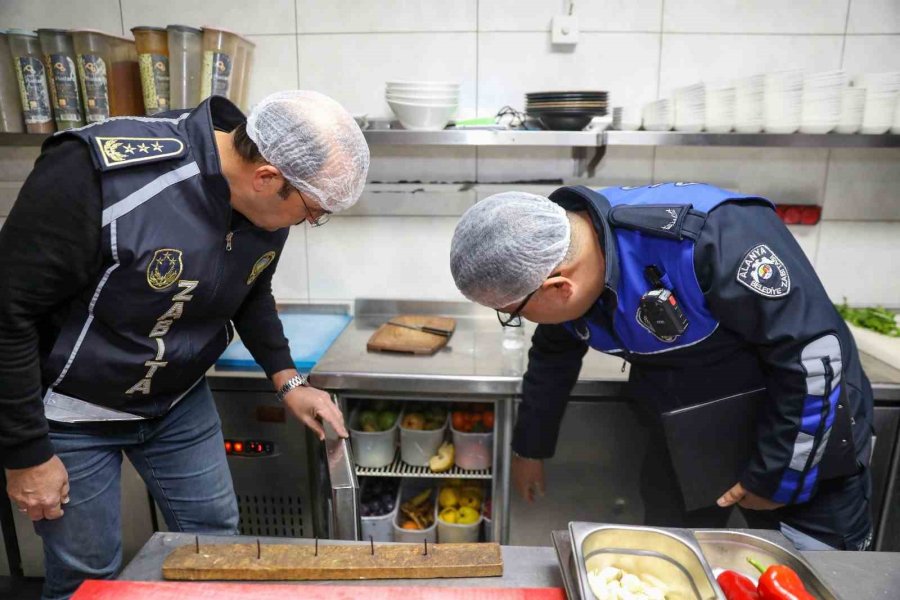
(309, 335)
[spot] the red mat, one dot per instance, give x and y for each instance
(178, 590)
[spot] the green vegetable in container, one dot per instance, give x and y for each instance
(877, 319)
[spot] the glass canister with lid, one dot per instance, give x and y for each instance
(153, 58)
(62, 77)
(185, 63)
(93, 62)
(10, 105)
(220, 49)
(32, 77)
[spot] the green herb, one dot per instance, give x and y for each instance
(877, 319)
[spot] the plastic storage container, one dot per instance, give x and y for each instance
(10, 105)
(473, 451)
(408, 489)
(418, 446)
(455, 533)
(93, 62)
(152, 45)
(185, 63)
(126, 97)
(372, 448)
(34, 91)
(244, 101)
(220, 48)
(62, 77)
(240, 82)
(379, 528)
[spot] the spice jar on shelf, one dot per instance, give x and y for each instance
(185, 64)
(153, 59)
(62, 77)
(125, 94)
(92, 59)
(33, 89)
(220, 49)
(10, 105)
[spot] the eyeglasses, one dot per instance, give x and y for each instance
(514, 319)
(318, 221)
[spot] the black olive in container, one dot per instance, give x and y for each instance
(62, 77)
(10, 105)
(220, 49)
(93, 62)
(33, 88)
(153, 58)
(185, 63)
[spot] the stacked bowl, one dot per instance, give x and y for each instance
(720, 108)
(423, 105)
(782, 94)
(659, 115)
(690, 108)
(748, 104)
(820, 110)
(853, 101)
(626, 118)
(881, 97)
(567, 111)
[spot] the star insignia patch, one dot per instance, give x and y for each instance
(114, 152)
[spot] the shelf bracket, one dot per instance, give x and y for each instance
(583, 166)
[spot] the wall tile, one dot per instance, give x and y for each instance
(871, 53)
(353, 16)
(353, 68)
(483, 190)
(854, 258)
(688, 59)
(808, 238)
(863, 184)
(511, 64)
(274, 66)
(16, 162)
(422, 164)
(65, 14)
(784, 175)
(874, 16)
(382, 257)
(596, 15)
(291, 280)
(759, 16)
(272, 16)
(412, 200)
(9, 191)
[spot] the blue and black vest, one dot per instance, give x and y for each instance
(655, 225)
(177, 264)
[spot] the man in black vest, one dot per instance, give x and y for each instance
(135, 248)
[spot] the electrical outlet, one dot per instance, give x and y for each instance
(564, 30)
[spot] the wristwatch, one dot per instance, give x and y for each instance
(296, 381)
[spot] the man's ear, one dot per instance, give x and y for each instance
(266, 178)
(561, 287)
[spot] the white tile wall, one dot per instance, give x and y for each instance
(274, 66)
(352, 16)
(874, 16)
(593, 15)
(291, 279)
(352, 68)
(271, 16)
(759, 16)
(808, 238)
(872, 53)
(863, 184)
(426, 164)
(412, 199)
(70, 14)
(856, 261)
(511, 64)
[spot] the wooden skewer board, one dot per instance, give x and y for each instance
(293, 562)
(390, 338)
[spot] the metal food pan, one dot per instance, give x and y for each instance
(671, 555)
(727, 549)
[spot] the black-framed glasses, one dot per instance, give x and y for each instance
(514, 319)
(318, 221)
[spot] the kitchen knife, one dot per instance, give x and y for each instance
(423, 329)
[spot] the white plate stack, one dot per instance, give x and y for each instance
(748, 104)
(853, 100)
(423, 105)
(690, 108)
(658, 115)
(820, 109)
(626, 118)
(720, 107)
(782, 92)
(881, 97)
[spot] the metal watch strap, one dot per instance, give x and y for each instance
(294, 382)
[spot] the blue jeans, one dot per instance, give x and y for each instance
(181, 458)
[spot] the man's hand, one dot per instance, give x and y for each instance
(746, 499)
(309, 405)
(528, 477)
(40, 491)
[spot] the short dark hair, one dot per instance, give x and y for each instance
(248, 151)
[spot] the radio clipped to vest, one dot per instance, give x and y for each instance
(659, 311)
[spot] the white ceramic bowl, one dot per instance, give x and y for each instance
(416, 98)
(422, 117)
(447, 88)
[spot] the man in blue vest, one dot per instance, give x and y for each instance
(707, 295)
(135, 249)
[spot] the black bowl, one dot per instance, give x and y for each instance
(535, 95)
(573, 120)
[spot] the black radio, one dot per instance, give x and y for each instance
(659, 311)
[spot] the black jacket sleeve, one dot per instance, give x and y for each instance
(260, 328)
(554, 362)
(759, 284)
(49, 252)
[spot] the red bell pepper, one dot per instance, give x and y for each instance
(779, 582)
(737, 586)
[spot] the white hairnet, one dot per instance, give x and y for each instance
(315, 143)
(505, 246)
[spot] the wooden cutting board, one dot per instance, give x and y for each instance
(292, 562)
(389, 338)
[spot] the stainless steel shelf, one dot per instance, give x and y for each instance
(480, 137)
(771, 140)
(398, 468)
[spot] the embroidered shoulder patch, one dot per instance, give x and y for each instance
(763, 272)
(115, 152)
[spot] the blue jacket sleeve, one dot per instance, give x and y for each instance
(554, 362)
(760, 285)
